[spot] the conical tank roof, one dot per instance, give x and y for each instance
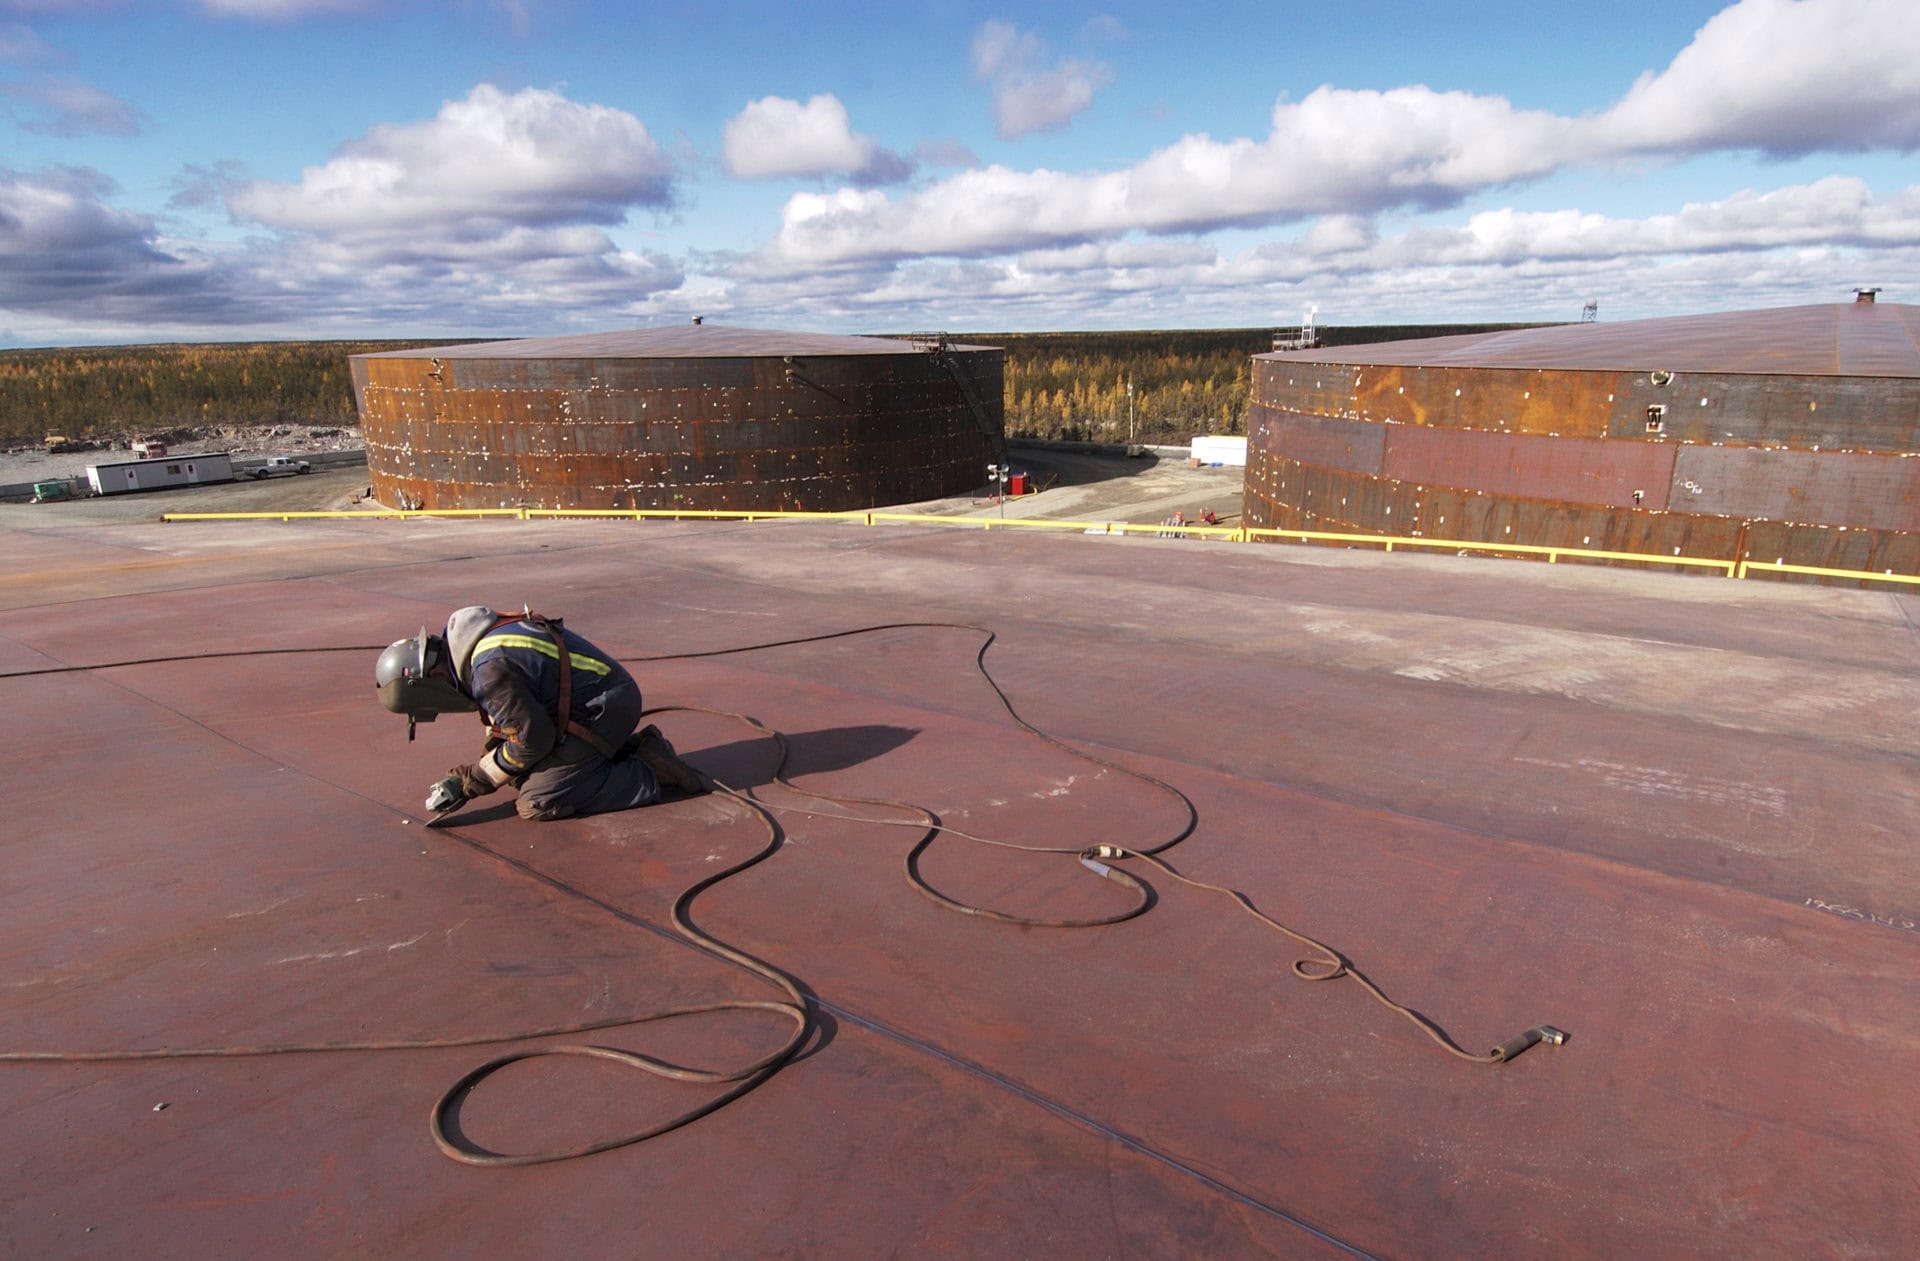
(1869, 339)
(679, 341)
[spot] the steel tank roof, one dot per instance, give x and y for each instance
(683, 341)
(1847, 339)
(1672, 816)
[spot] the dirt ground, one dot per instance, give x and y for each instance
(31, 464)
(1085, 486)
(1079, 486)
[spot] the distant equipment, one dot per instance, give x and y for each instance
(280, 466)
(123, 476)
(1211, 449)
(1305, 337)
(1590, 312)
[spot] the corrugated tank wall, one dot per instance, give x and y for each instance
(1809, 470)
(816, 433)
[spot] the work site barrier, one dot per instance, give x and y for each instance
(1220, 533)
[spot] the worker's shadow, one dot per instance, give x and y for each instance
(744, 764)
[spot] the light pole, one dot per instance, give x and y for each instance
(1129, 415)
(998, 473)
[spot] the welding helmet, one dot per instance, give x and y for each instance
(413, 678)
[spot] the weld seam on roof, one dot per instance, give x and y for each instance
(1082, 1119)
(966, 1066)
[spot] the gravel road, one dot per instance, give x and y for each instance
(1081, 486)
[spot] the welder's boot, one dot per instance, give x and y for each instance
(654, 749)
(529, 809)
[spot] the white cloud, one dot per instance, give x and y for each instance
(50, 8)
(1028, 95)
(1104, 28)
(1786, 77)
(1853, 83)
(63, 249)
(1806, 243)
(775, 138)
(1336, 151)
(499, 214)
(945, 152)
(1745, 231)
(281, 10)
(1822, 235)
(20, 43)
(72, 107)
(483, 164)
(487, 219)
(1118, 256)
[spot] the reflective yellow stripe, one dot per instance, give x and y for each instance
(590, 664)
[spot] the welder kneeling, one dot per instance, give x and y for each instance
(559, 713)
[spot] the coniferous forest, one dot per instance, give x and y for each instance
(1148, 387)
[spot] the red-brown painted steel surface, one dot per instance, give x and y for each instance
(1573, 470)
(1672, 816)
(1843, 339)
(1323, 441)
(1879, 492)
(699, 417)
(1713, 434)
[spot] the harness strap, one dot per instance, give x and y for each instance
(563, 706)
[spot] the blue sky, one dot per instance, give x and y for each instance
(253, 169)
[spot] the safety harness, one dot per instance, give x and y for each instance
(563, 720)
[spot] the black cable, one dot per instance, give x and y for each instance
(1329, 966)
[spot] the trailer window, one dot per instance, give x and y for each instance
(173, 468)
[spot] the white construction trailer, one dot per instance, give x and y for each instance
(122, 476)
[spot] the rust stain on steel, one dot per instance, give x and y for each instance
(704, 418)
(1574, 404)
(1329, 442)
(1574, 470)
(1818, 487)
(1694, 437)
(1284, 494)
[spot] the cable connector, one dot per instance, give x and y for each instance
(1098, 869)
(1107, 851)
(1539, 1033)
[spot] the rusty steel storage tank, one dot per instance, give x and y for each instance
(1789, 435)
(698, 416)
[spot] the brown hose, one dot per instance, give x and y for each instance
(1326, 964)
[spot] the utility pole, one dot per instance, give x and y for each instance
(1129, 415)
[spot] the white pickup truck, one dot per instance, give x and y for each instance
(279, 464)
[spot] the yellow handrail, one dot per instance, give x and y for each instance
(356, 514)
(1232, 534)
(1553, 554)
(1862, 575)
